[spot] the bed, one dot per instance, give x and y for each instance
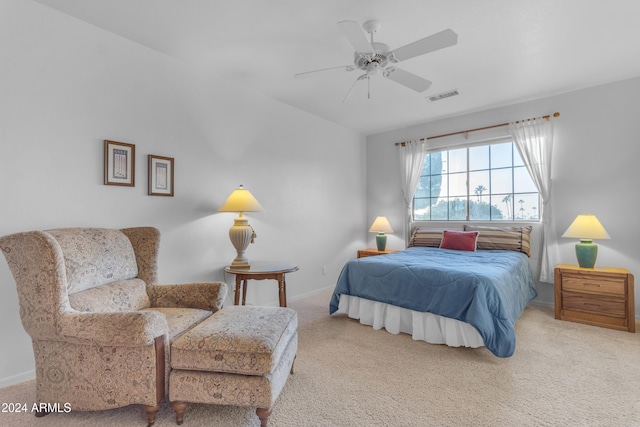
(443, 296)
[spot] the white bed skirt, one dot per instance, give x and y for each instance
(427, 327)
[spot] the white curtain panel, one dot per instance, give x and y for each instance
(534, 139)
(411, 156)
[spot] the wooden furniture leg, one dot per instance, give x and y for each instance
(179, 408)
(151, 413)
(263, 414)
(283, 302)
(40, 414)
(245, 282)
(152, 410)
(236, 295)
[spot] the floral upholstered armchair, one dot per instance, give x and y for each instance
(101, 326)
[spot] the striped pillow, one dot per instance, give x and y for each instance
(430, 237)
(506, 238)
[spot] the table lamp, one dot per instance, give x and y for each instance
(241, 233)
(381, 225)
(586, 228)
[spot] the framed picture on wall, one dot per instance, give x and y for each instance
(119, 163)
(160, 176)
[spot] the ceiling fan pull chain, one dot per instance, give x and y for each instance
(368, 87)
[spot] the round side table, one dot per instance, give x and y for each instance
(261, 271)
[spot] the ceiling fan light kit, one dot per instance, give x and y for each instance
(376, 58)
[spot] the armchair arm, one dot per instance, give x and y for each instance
(205, 296)
(125, 329)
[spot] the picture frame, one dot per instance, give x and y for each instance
(161, 172)
(119, 163)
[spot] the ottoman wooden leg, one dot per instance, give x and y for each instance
(179, 408)
(263, 414)
(151, 413)
(40, 414)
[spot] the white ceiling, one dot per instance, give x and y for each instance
(507, 51)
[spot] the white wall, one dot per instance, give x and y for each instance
(66, 86)
(594, 169)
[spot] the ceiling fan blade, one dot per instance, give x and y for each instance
(432, 43)
(407, 79)
(353, 31)
(311, 73)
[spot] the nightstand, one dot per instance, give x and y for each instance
(374, 251)
(595, 296)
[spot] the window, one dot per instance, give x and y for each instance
(480, 182)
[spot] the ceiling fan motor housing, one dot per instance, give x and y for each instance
(377, 62)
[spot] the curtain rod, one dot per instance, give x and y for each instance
(465, 132)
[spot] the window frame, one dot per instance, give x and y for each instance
(467, 199)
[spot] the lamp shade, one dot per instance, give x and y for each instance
(381, 225)
(586, 227)
(241, 200)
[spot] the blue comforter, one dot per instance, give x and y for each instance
(487, 289)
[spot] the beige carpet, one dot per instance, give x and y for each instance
(347, 374)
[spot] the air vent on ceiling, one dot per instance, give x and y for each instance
(443, 95)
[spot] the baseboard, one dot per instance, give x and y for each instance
(16, 379)
(311, 293)
(541, 303)
(315, 292)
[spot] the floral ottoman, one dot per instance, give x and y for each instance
(241, 355)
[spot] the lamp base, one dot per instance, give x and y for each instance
(240, 234)
(240, 264)
(586, 252)
(381, 241)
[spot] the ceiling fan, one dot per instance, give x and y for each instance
(376, 58)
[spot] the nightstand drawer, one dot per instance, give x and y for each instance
(607, 306)
(583, 283)
(600, 296)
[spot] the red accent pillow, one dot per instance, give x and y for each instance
(459, 240)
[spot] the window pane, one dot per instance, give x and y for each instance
(479, 184)
(479, 210)
(436, 161)
(426, 165)
(421, 209)
(458, 184)
(501, 181)
(438, 186)
(424, 187)
(457, 209)
(522, 181)
(517, 159)
(503, 206)
(526, 206)
(439, 210)
(457, 160)
(501, 155)
(479, 158)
